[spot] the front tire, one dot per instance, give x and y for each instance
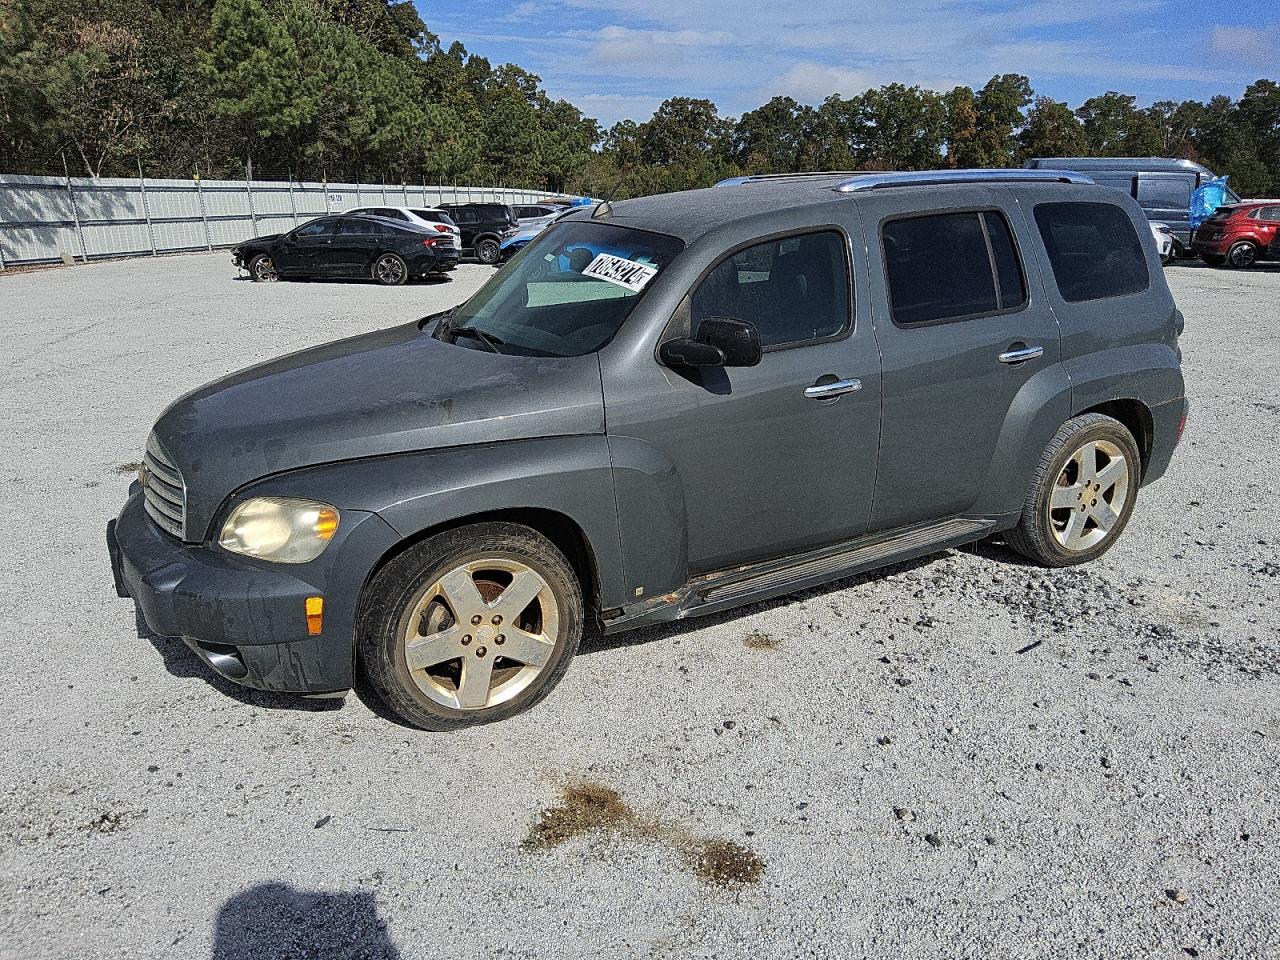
(472, 625)
(1081, 495)
(1242, 254)
(390, 270)
(263, 270)
(488, 252)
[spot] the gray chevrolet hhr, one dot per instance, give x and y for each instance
(662, 408)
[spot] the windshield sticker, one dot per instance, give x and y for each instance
(625, 273)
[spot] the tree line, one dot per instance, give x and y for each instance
(361, 89)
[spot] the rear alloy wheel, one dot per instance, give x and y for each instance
(488, 252)
(1082, 494)
(390, 270)
(262, 270)
(470, 626)
(1242, 254)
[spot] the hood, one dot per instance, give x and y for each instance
(392, 391)
(265, 238)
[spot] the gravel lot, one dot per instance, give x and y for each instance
(964, 757)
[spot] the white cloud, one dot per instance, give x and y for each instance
(616, 44)
(1253, 45)
(811, 82)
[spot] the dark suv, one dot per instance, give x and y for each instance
(665, 407)
(484, 226)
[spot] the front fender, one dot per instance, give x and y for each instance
(414, 492)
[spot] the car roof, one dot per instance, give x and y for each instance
(395, 224)
(690, 214)
(388, 206)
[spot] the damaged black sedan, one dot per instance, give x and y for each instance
(349, 247)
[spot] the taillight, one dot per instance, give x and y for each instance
(430, 241)
(441, 228)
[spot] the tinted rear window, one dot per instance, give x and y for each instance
(941, 267)
(433, 216)
(356, 226)
(1093, 249)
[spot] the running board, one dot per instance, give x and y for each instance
(724, 589)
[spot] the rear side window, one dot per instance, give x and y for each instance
(1164, 193)
(793, 290)
(355, 226)
(1269, 213)
(1093, 249)
(951, 266)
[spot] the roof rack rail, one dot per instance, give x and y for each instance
(921, 178)
(775, 177)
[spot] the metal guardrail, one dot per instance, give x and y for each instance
(53, 219)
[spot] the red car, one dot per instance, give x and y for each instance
(1238, 235)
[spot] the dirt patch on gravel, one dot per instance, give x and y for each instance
(755, 640)
(587, 807)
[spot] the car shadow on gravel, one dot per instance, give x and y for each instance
(277, 920)
(183, 664)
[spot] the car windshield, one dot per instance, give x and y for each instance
(567, 293)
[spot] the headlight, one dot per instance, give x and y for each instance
(279, 529)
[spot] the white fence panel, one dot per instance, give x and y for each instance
(47, 219)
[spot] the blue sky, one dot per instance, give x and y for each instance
(621, 58)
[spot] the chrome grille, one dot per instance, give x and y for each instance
(164, 489)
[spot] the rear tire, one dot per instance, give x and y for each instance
(448, 606)
(1242, 254)
(488, 252)
(390, 270)
(1082, 493)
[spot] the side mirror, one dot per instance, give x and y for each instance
(687, 352)
(721, 342)
(738, 340)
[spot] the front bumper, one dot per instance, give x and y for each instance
(246, 618)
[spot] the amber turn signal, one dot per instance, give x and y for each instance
(315, 616)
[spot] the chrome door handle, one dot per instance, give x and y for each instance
(836, 388)
(1021, 355)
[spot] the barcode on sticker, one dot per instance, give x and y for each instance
(623, 272)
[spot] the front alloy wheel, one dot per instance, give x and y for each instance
(480, 634)
(470, 626)
(262, 270)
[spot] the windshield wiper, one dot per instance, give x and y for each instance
(489, 341)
